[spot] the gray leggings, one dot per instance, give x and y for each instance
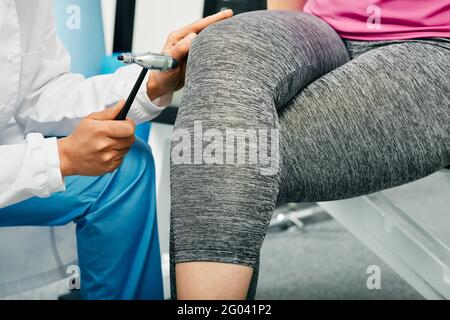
(353, 118)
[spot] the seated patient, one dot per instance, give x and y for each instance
(353, 101)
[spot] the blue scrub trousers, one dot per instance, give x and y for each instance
(116, 228)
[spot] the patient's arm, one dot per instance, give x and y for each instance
(285, 4)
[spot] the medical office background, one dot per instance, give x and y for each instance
(308, 254)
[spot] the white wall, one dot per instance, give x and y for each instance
(154, 20)
(109, 14)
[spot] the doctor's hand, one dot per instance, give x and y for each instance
(98, 144)
(178, 45)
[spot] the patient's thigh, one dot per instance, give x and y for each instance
(379, 121)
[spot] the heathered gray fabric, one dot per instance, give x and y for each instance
(354, 118)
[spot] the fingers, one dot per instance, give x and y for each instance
(111, 160)
(117, 129)
(113, 156)
(120, 154)
(198, 26)
(181, 49)
(113, 128)
(120, 144)
(109, 113)
(115, 144)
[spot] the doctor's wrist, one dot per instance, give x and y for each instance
(154, 94)
(64, 158)
(155, 91)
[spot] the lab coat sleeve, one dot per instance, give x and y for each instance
(57, 99)
(35, 171)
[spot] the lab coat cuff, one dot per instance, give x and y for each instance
(143, 108)
(146, 109)
(54, 177)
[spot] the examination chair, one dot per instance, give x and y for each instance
(397, 237)
(409, 248)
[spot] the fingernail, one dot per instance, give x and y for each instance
(192, 36)
(228, 12)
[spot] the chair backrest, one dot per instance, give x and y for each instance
(79, 26)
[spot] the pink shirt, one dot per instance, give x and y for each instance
(384, 19)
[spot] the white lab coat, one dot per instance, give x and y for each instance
(39, 97)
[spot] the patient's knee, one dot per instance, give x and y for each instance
(231, 41)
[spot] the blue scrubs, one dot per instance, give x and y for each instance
(117, 235)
